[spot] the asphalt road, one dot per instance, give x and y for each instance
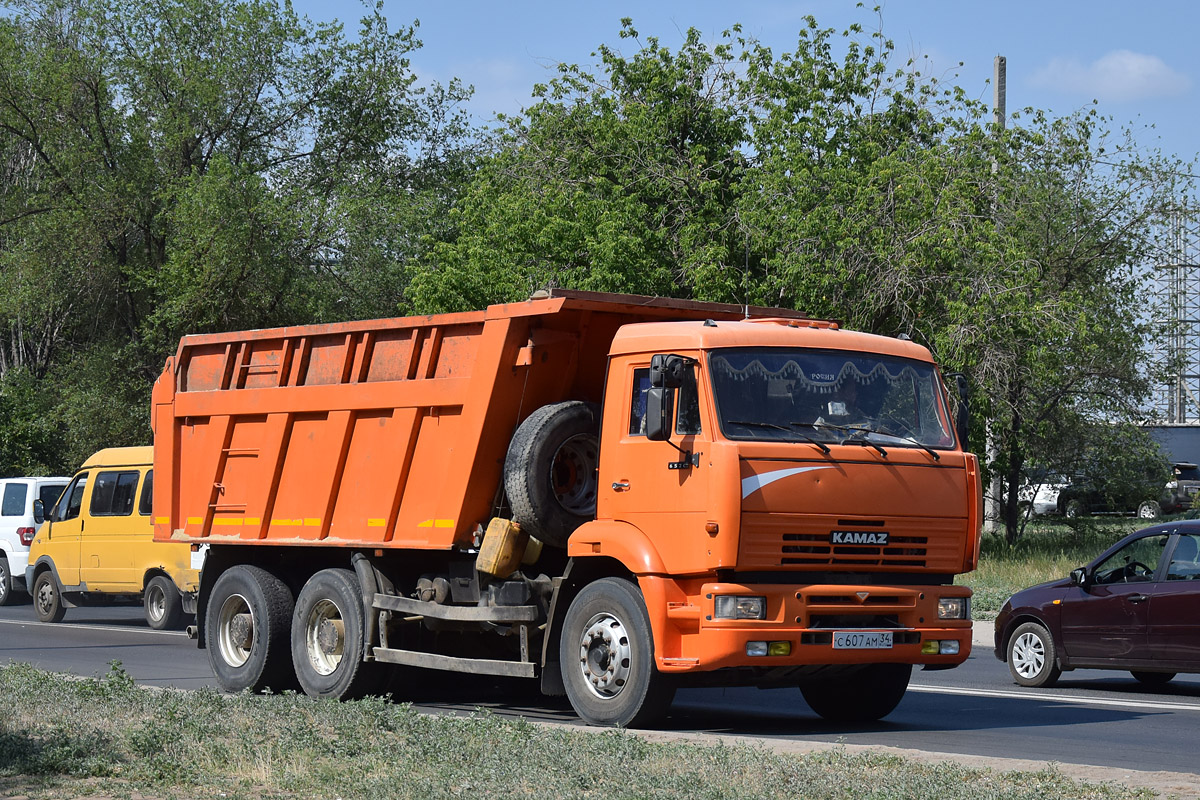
(1092, 717)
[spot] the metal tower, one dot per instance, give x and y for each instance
(1178, 308)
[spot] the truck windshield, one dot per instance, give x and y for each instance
(777, 394)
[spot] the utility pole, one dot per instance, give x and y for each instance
(991, 500)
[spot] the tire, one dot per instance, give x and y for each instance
(1074, 509)
(47, 599)
(249, 621)
(550, 471)
(1032, 656)
(867, 695)
(6, 582)
(163, 605)
(1149, 509)
(1153, 678)
(327, 635)
(607, 657)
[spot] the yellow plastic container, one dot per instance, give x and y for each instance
(503, 546)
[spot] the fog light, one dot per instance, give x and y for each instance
(729, 606)
(949, 647)
(779, 649)
(931, 647)
(756, 648)
(954, 608)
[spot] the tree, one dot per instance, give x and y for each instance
(188, 166)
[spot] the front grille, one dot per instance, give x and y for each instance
(796, 541)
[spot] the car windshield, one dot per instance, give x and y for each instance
(785, 394)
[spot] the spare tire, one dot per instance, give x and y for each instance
(550, 470)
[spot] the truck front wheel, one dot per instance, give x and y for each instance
(607, 657)
(249, 619)
(866, 695)
(327, 637)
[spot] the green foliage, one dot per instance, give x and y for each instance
(58, 735)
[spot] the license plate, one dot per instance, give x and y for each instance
(862, 640)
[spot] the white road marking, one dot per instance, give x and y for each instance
(91, 627)
(1057, 698)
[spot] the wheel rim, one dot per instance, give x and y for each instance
(1028, 655)
(4, 582)
(1147, 511)
(325, 637)
(605, 657)
(573, 474)
(156, 602)
(235, 630)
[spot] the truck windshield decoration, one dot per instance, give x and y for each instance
(820, 397)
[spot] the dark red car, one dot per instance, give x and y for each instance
(1136, 608)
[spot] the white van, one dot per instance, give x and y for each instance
(18, 524)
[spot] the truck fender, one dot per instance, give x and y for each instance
(46, 562)
(620, 541)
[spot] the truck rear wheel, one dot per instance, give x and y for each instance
(607, 657)
(550, 470)
(864, 696)
(327, 637)
(164, 606)
(249, 620)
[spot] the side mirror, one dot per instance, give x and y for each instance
(39, 512)
(658, 414)
(962, 422)
(668, 371)
(1079, 577)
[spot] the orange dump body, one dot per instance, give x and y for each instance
(385, 433)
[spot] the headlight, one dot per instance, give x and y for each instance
(728, 606)
(954, 608)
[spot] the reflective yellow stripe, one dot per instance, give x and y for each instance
(376, 523)
(436, 523)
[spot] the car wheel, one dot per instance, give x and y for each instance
(1149, 509)
(164, 606)
(1032, 656)
(1073, 509)
(6, 591)
(1152, 678)
(47, 600)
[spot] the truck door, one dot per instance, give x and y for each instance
(652, 484)
(62, 531)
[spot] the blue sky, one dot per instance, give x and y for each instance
(1139, 60)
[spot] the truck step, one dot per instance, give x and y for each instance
(406, 605)
(474, 666)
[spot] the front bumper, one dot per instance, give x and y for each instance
(688, 637)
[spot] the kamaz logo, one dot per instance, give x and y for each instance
(859, 537)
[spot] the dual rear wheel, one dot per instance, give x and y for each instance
(259, 637)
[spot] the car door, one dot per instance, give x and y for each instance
(60, 535)
(1107, 621)
(1174, 621)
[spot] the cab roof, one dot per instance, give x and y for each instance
(661, 337)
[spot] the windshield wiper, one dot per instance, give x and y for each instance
(755, 424)
(853, 434)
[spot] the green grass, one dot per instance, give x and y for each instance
(106, 737)
(1049, 550)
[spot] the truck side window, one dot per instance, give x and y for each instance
(147, 494)
(14, 500)
(72, 500)
(637, 406)
(114, 493)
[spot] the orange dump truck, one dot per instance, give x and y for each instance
(614, 495)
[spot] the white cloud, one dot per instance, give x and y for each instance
(1118, 75)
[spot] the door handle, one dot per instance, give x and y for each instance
(1137, 598)
(620, 486)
